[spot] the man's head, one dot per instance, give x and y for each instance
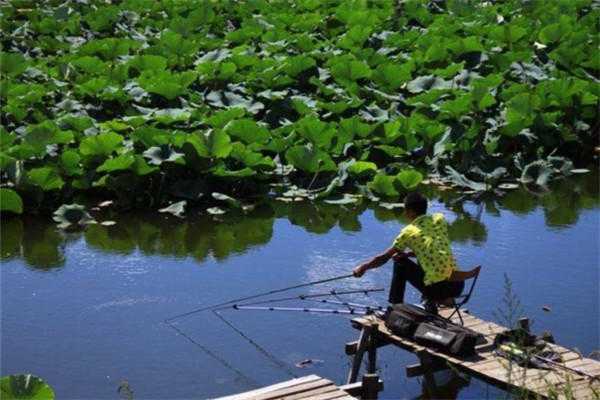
(414, 205)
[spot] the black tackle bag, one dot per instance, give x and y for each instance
(403, 319)
(447, 338)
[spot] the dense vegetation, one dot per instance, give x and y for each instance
(150, 102)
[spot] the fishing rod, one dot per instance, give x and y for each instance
(351, 311)
(571, 369)
(307, 296)
(349, 304)
(336, 278)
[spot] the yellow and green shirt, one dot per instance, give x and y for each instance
(427, 237)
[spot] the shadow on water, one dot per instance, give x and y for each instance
(40, 244)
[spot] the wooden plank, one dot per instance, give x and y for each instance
(312, 393)
(289, 391)
(337, 394)
(277, 386)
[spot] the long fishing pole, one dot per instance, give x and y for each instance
(571, 369)
(304, 309)
(257, 296)
(305, 297)
(348, 304)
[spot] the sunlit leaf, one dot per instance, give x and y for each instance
(10, 201)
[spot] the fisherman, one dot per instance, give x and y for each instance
(427, 238)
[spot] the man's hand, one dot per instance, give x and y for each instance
(359, 271)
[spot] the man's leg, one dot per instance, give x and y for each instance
(443, 290)
(405, 270)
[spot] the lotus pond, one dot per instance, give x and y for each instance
(156, 102)
(83, 309)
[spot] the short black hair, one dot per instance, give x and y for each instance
(415, 202)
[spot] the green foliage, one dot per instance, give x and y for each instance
(119, 100)
(10, 201)
(25, 387)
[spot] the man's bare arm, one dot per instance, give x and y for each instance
(375, 262)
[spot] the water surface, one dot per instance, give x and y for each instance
(85, 310)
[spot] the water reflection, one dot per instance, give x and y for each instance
(41, 245)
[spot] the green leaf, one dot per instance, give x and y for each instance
(384, 184)
(355, 127)
(25, 387)
(148, 63)
(69, 160)
(12, 64)
(293, 66)
(10, 201)
(248, 131)
(392, 76)
(119, 163)
(141, 167)
(213, 143)
(46, 177)
(362, 168)
(167, 84)
(347, 69)
(221, 118)
(316, 131)
(309, 159)
(100, 145)
(410, 178)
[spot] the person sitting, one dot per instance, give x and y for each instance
(427, 238)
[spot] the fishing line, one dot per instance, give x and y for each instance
(302, 297)
(351, 311)
(215, 356)
(257, 296)
(258, 347)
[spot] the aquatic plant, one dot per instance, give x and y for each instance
(25, 387)
(129, 100)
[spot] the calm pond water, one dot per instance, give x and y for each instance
(84, 310)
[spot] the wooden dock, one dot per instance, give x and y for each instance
(485, 365)
(313, 387)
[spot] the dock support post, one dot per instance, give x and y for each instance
(370, 384)
(428, 367)
(372, 366)
(363, 344)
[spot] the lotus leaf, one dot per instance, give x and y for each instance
(10, 201)
(25, 387)
(119, 163)
(384, 185)
(247, 130)
(69, 215)
(212, 143)
(103, 144)
(167, 84)
(316, 131)
(309, 159)
(409, 178)
(46, 178)
(70, 162)
(362, 168)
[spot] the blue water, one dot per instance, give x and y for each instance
(85, 311)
